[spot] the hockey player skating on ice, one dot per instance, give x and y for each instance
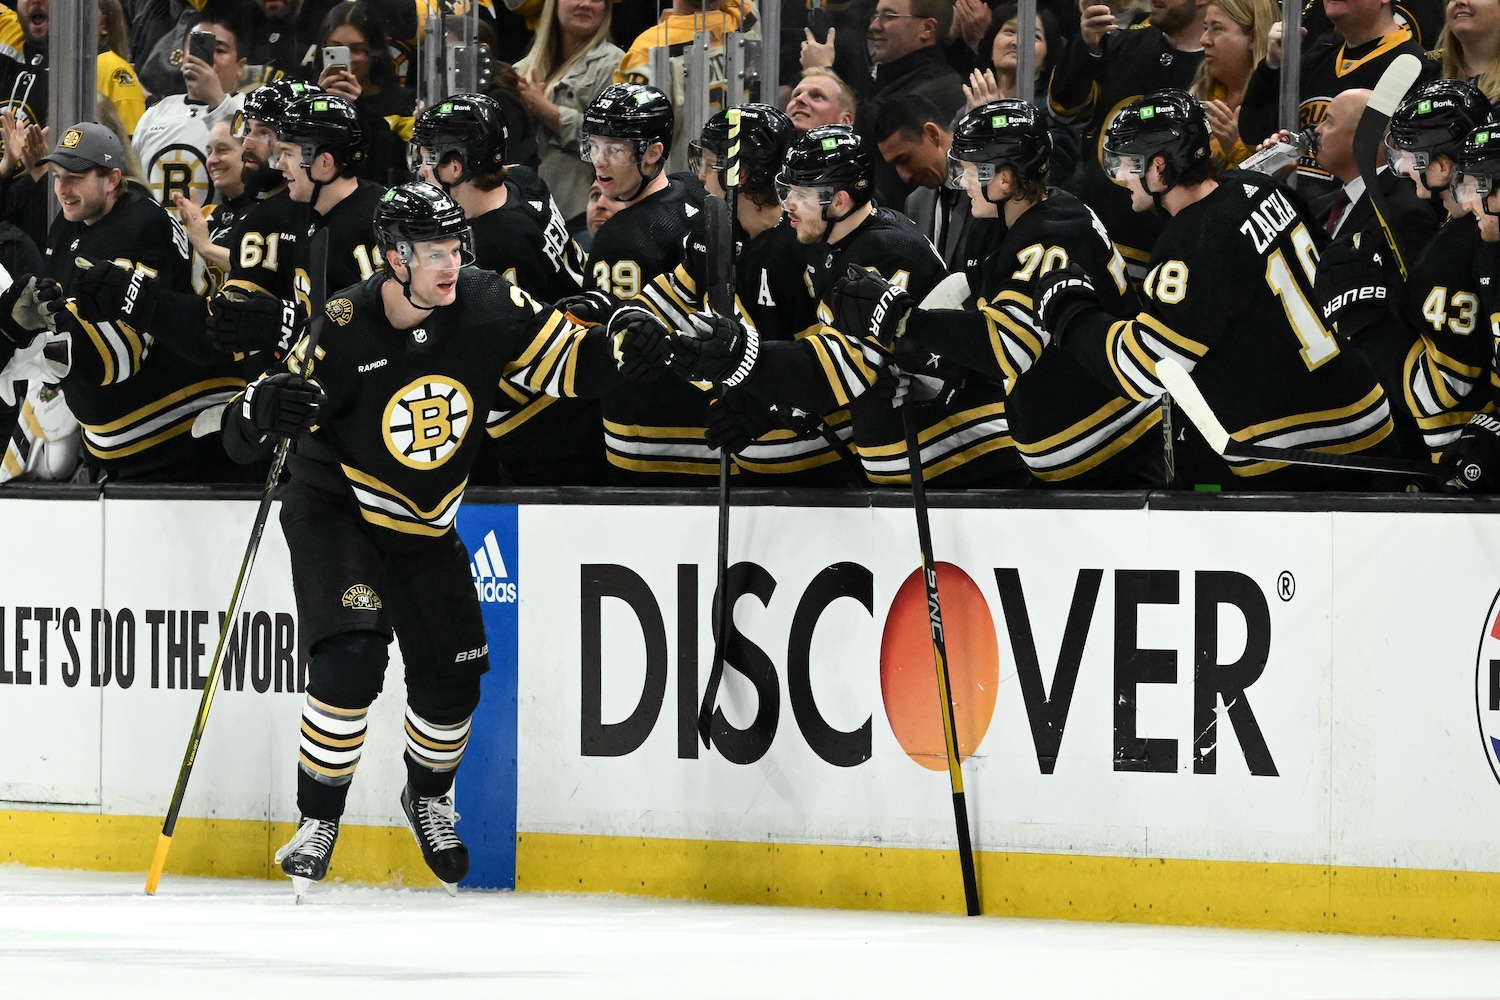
(399, 387)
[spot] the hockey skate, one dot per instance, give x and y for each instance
(305, 857)
(431, 821)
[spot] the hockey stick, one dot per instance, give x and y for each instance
(1370, 133)
(718, 222)
(940, 658)
(317, 271)
(1185, 392)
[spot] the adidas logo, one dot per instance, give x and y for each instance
(491, 580)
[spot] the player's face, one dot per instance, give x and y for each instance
(814, 102)
(299, 180)
(434, 272)
(84, 197)
(803, 206)
(1227, 55)
(224, 159)
(708, 172)
(979, 206)
(922, 160)
(615, 169)
(259, 150)
(1125, 174)
(1466, 192)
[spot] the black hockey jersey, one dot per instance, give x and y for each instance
(526, 240)
(1228, 297)
(400, 426)
(1069, 428)
(1087, 91)
(136, 393)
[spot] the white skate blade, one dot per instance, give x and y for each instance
(299, 886)
(452, 888)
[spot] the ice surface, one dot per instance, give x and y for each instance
(75, 934)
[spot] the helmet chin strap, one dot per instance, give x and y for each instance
(640, 165)
(406, 288)
(830, 220)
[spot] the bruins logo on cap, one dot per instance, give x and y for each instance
(426, 421)
(72, 139)
(362, 598)
(341, 311)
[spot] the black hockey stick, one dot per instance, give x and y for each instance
(317, 272)
(1185, 392)
(940, 658)
(1370, 133)
(718, 223)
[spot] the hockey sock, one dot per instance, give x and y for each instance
(332, 739)
(433, 751)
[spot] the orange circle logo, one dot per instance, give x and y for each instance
(908, 674)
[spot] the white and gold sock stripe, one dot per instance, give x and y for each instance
(435, 747)
(332, 740)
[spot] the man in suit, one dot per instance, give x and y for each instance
(914, 139)
(1347, 210)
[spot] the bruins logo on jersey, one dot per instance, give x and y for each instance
(341, 311)
(361, 597)
(426, 420)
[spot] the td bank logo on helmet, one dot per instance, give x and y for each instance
(1221, 669)
(491, 578)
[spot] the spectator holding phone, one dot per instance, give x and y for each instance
(355, 62)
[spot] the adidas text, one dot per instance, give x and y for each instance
(492, 581)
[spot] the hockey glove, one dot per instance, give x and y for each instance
(1472, 463)
(243, 320)
(717, 349)
(108, 292)
(589, 308)
(643, 343)
(284, 403)
(736, 419)
(25, 307)
(1352, 288)
(866, 305)
(1060, 293)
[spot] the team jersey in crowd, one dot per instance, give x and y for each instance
(1070, 429)
(653, 430)
(1087, 91)
(404, 407)
(136, 392)
(772, 295)
(171, 140)
(1228, 296)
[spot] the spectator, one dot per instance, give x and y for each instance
(914, 138)
(208, 228)
(112, 70)
(1368, 40)
(172, 136)
(1105, 68)
(23, 70)
(994, 79)
(571, 60)
(821, 97)
(841, 48)
(385, 108)
(1235, 36)
(278, 34)
(1470, 44)
(905, 45)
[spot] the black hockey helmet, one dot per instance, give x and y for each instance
(1434, 120)
(1479, 165)
(1169, 123)
(629, 111)
(1005, 133)
(765, 134)
(469, 126)
(325, 123)
(831, 158)
(414, 213)
(268, 104)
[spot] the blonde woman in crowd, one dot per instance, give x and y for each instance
(571, 60)
(1235, 36)
(1470, 44)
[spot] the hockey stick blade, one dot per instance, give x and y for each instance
(1370, 133)
(1177, 381)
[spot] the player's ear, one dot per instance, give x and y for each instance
(655, 153)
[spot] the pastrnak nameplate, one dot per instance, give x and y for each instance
(362, 598)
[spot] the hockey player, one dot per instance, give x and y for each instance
(1427, 339)
(459, 144)
(412, 356)
(1070, 429)
(1257, 349)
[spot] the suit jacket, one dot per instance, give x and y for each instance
(1413, 220)
(945, 225)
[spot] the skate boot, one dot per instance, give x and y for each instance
(431, 821)
(305, 857)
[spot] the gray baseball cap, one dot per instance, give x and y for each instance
(88, 145)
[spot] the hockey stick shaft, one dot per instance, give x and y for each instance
(318, 258)
(721, 301)
(1369, 134)
(940, 659)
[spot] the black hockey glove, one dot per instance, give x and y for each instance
(25, 307)
(866, 305)
(643, 343)
(107, 292)
(717, 349)
(1352, 288)
(1472, 463)
(1061, 292)
(243, 320)
(589, 308)
(736, 419)
(284, 403)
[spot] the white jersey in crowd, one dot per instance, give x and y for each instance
(171, 141)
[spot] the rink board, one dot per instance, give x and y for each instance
(1349, 782)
